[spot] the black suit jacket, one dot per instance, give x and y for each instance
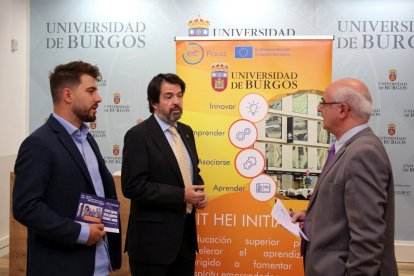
(151, 178)
(50, 175)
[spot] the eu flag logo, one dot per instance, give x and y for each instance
(243, 52)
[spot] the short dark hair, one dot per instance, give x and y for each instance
(68, 75)
(154, 87)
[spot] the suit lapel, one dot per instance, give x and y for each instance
(337, 156)
(162, 143)
(325, 171)
(70, 146)
(107, 185)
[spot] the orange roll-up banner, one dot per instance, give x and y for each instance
(236, 90)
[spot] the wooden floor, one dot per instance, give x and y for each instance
(405, 269)
(4, 266)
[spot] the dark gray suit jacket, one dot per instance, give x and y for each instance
(350, 217)
(152, 179)
(50, 175)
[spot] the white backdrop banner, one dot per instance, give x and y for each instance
(131, 41)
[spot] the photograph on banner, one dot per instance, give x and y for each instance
(253, 108)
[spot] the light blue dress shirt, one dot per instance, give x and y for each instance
(79, 136)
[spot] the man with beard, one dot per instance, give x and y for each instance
(164, 186)
(55, 164)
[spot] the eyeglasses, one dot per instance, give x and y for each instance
(322, 103)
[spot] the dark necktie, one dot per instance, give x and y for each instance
(331, 155)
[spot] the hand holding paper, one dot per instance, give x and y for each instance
(282, 216)
(98, 210)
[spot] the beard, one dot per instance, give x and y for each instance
(172, 116)
(84, 114)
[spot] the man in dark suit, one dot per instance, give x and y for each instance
(55, 164)
(161, 237)
(350, 216)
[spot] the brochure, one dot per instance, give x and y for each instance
(280, 214)
(96, 209)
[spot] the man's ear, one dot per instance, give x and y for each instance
(67, 95)
(154, 105)
(344, 111)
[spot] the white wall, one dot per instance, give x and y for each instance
(13, 100)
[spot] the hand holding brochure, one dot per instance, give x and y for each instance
(96, 209)
(282, 216)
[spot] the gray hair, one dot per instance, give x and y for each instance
(358, 98)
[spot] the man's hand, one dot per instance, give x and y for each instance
(96, 232)
(194, 194)
(299, 216)
(202, 204)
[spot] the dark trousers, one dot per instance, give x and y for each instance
(183, 265)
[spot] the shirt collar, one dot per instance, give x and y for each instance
(348, 135)
(71, 129)
(164, 126)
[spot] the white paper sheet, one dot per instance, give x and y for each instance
(283, 218)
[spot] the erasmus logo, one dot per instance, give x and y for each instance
(198, 27)
(219, 76)
(243, 52)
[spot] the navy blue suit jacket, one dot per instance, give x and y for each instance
(50, 175)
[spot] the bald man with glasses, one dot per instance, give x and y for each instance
(350, 217)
